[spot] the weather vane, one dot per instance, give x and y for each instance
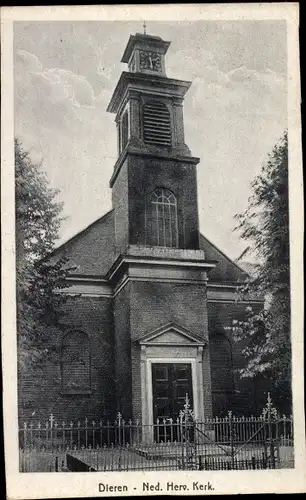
(144, 28)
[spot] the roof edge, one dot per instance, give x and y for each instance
(226, 256)
(79, 233)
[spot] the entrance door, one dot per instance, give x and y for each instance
(171, 383)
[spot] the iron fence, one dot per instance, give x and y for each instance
(228, 443)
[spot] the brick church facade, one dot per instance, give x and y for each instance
(152, 297)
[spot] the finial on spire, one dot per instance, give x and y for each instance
(144, 28)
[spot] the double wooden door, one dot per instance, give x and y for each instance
(171, 383)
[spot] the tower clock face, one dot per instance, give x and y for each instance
(150, 60)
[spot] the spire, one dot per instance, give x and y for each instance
(144, 28)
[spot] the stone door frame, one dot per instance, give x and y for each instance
(170, 344)
(195, 390)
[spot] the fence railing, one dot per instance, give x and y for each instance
(213, 444)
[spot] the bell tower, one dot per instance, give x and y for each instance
(154, 180)
(159, 277)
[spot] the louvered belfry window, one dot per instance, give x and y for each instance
(156, 124)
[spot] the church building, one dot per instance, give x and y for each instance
(151, 297)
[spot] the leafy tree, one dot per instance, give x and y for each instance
(264, 336)
(37, 276)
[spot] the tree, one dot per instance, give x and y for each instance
(38, 278)
(265, 335)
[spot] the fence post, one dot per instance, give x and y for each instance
(51, 418)
(86, 433)
(277, 441)
(182, 439)
(230, 420)
(118, 421)
(25, 435)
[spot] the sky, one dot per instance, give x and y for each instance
(234, 112)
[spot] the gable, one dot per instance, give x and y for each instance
(92, 250)
(170, 335)
(226, 270)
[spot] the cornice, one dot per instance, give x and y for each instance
(124, 261)
(131, 150)
(172, 86)
(89, 286)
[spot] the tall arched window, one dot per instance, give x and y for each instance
(156, 124)
(162, 228)
(75, 362)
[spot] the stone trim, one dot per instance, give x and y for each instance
(159, 262)
(151, 338)
(230, 301)
(147, 388)
(98, 287)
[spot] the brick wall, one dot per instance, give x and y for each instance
(145, 174)
(229, 391)
(156, 304)
(92, 250)
(153, 305)
(115, 362)
(136, 383)
(120, 203)
(122, 340)
(141, 307)
(41, 394)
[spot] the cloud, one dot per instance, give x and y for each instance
(75, 87)
(58, 84)
(30, 61)
(100, 56)
(189, 63)
(217, 93)
(265, 78)
(243, 91)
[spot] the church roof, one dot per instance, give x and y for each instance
(92, 251)
(226, 270)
